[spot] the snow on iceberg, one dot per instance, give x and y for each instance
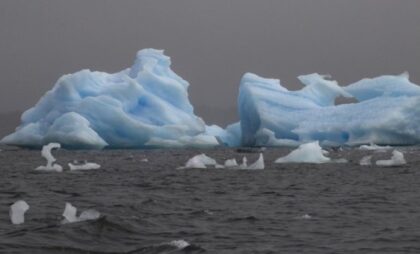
(46, 153)
(145, 105)
(17, 212)
(70, 214)
(397, 159)
(306, 153)
(387, 112)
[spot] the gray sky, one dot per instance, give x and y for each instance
(212, 43)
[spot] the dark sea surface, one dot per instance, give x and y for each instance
(145, 206)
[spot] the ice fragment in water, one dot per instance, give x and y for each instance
(179, 244)
(46, 153)
(70, 214)
(366, 161)
(397, 159)
(231, 163)
(200, 161)
(85, 166)
(17, 212)
(306, 153)
(259, 164)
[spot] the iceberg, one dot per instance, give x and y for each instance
(387, 111)
(143, 106)
(306, 153)
(17, 212)
(397, 159)
(46, 153)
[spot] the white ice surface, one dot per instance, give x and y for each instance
(306, 153)
(17, 212)
(70, 214)
(84, 166)
(46, 153)
(397, 159)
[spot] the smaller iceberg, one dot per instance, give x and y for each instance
(366, 161)
(84, 166)
(46, 153)
(306, 153)
(231, 163)
(258, 164)
(70, 215)
(17, 212)
(200, 161)
(397, 159)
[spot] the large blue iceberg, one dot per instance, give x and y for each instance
(387, 112)
(143, 106)
(147, 106)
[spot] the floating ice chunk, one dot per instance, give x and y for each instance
(70, 214)
(244, 164)
(231, 163)
(259, 164)
(84, 166)
(306, 153)
(17, 212)
(144, 160)
(306, 217)
(397, 159)
(374, 147)
(179, 244)
(366, 161)
(46, 153)
(200, 161)
(341, 160)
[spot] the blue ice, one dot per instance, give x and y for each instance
(143, 106)
(387, 112)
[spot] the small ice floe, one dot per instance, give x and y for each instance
(306, 153)
(144, 160)
(341, 160)
(244, 164)
(231, 163)
(397, 159)
(179, 244)
(366, 161)
(70, 215)
(46, 153)
(83, 166)
(17, 212)
(374, 147)
(259, 164)
(200, 161)
(306, 217)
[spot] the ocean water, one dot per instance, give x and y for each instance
(149, 207)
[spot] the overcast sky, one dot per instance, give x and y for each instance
(212, 43)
